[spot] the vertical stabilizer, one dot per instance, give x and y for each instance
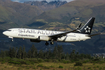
(87, 28)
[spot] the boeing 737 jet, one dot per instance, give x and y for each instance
(36, 35)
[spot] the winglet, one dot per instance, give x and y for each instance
(79, 26)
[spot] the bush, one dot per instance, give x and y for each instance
(3, 62)
(33, 60)
(72, 61)
(78, 68)
(85, 61)
(40, 65)
(78, 64)
(48, 60)
(89, 67)
(28, 62)
(40, 60)
(14, 62)
(97, 59)
(45, 67)
(22, 62)
(60, 66)
(55, 60)
(52, 66)
(65, 61)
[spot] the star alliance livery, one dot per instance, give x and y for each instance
(36, 35)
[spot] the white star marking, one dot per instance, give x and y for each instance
(87, 29)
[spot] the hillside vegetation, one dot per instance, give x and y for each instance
(75, 12)
(69, 15)
(13, 14)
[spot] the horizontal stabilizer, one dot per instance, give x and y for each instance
(97, 34)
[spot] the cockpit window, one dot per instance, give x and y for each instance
(9, 30)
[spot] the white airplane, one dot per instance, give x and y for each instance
(36, 35)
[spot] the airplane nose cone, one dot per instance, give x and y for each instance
(4, 32)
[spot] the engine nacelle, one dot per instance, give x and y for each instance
(35, 40)
(44, 38)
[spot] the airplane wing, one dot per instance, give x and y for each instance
(61, 34)
(55, 36)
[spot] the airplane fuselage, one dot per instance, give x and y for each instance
(37, 35)
(43, 35)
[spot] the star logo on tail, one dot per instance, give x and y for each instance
(87, 29)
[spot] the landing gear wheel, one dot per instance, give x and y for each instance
(12, 39)
(51, 43)
(46, 43)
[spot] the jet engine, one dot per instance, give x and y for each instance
(44, 38)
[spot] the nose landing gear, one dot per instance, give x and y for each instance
(11, 38)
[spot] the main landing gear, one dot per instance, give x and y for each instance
(48, 43)
(51, 43)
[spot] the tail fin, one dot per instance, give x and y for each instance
(87, 28)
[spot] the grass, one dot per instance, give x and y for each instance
(52, 66)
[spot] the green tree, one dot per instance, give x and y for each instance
(19, 54)
(48, 54)
(23, 53)
(72, 55)
(29, 54)
(33, 51)
(40, 54)
(12, 52)
(55, 53)
(60, 51)
(16, 51)
(67, 56)
(2, 53)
